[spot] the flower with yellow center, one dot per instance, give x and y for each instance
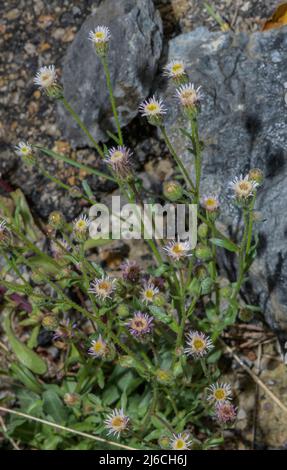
(103, 288)
(100, 37)
(149, 292)
(198, 344)
(210, 203)
(177, 250)
(119, 159)
(153, 109)
(243, 187)
(140, 325)
(116, 422)
(98, 348)
(175, 70)
(180, 442)
(80, 227)
(24, 150)
(219, 392)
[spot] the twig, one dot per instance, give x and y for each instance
(255, 378)
(64, 428)
(256, 398)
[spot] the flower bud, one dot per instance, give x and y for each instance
(72, 399)
(56, 219)
(245, 315)
(159, 300)
(123, 311)
(255, 174)
(172, 190)
(202, 252)
(202, 230)
(50, 322)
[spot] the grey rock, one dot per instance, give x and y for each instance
(243, 124)
(135, 49)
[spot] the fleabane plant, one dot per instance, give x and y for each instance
(137, 348)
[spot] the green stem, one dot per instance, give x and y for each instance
(112, 98)
(197, 155)
(82, 126)
(177, 159)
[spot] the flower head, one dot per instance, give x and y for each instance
(140, 325)
(149, 292)
(80, 227)
(172, 190)
(100, 37)
(177, 250)
(98, 347)
(219, 392)
(175, 70)
(131, 271)
(225, 412)
(198, 344)
(153, 109)
(243, 187)
(103, 288)
(116, 422)
(46, 79)
(180, 442)
(24, 150)
(119, 159)
(210, 203)
(189, 96)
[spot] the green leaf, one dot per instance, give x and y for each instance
(111, 395)
(227, 244)
(54, 407)
(113, 136)
(26, 356)
(25, 376)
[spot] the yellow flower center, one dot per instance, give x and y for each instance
(198, 344)
(118, 422)
(177, 249)
(117, 156)
(245, 186)
(152, 107)
(179, 444)
(219, 394)
(98, 346)
(177, 68)
(149, 293)
(81, 225)
(138, 325)
(104, 285)
(100, 35)
(210, 202)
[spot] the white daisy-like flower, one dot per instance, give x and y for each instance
(98, 348)
(189, 96)
(219, 392)
(177, 249)
(243, 186)
(46, 77)
(103, 288)
(153, 109)
(101, 35)
(180, 442)
(81, 224)
(116, 422)
(149, 292)
(23, 149)
(119, 159)
(210, 203)
(175, 69)
(198, 344)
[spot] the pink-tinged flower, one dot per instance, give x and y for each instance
(119, 158)
(189, 96)
(46, 77)
(116, 422)
(177, 250)
(219, 392)
(103, 288)
(198, 344)
(140, 325)
(180, 441)
(225, 412)
(131, 271)
(210, 203)
(243, 186)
